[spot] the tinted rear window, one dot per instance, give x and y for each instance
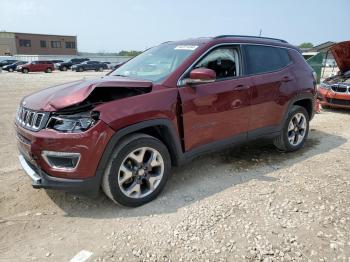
(261, 59)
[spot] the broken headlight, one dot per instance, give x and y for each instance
(73, 123)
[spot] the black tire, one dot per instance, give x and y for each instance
(64, 68)
(25, 70)
(10, 70)
(80, 69)
(282, 142)
(48, 70)
(110, 183)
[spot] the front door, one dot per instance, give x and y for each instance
(218, 110)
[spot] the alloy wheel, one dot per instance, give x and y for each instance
(297, 129)
(140, 172)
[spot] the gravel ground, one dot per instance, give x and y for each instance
(246, 204)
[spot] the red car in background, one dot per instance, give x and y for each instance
(335, 90)
(37, 66)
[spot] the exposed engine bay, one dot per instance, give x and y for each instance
(102, 95)
(339, 79)
(81, 116)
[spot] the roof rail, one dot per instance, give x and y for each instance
(250, 36)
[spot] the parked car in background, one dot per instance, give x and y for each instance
(118, 65)
(89, 65)
(109, 65)
(175, 101)
(13, 67)
(7, 62)
(68, 65)
(335, 90)
(36, 66)
(57, 62)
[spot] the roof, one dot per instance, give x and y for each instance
(6, 32)
(234, 38)
(251, 37)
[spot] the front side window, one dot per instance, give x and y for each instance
(224, 61)
(262, 59)
(25, 43)
(56, 44)
(156, 63)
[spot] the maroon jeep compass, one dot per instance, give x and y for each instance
(124, 131)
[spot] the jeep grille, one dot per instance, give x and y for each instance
(30, 119)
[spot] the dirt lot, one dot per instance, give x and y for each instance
(245, 204)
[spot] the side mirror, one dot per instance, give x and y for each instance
(201, 75)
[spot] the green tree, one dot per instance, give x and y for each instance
(306, 45)
(129, 53)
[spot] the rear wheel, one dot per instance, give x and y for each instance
(137, 171)
(48, 70)
(80, 69)
(295, 130)
(64, 68)
(10, 70)
(25, 70)
(100, 69)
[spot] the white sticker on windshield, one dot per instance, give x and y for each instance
(186, 47)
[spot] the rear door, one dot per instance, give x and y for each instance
(90, 65)
(219, 110)
(271, 84)
(42, 66)
(35, 66)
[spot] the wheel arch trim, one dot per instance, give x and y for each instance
(173, 142)
(300, 97)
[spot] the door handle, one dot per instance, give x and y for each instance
(286, 79)
(241, 87)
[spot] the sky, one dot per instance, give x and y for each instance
(111, 26)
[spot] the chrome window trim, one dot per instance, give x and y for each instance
(178, 83)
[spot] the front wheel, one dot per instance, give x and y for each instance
(25, 70)
(137, 171)
(48, 70)
(295, 130)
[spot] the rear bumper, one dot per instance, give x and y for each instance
(333, 99)
(40, 179)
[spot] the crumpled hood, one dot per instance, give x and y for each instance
(61, 96)
(341, 54)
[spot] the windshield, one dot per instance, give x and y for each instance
(156, 63)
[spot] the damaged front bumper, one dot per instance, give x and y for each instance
(36, 148)
(40, 179)
(333, 99)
